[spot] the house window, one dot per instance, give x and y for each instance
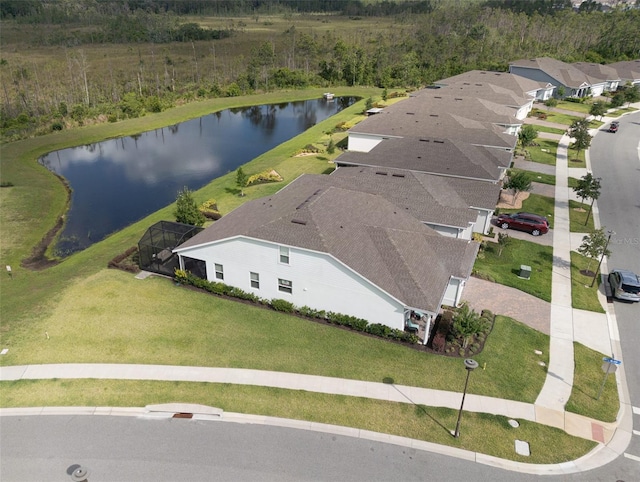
(255, 280)
(285, 286)
(284, 255)
(219, 271)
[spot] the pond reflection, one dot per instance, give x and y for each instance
(119, 181)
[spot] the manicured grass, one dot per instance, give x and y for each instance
(573, 182)
(587, 380)
(544, 152)
(537, 204)
(479, 432)
(535, 176)
(505, 269)
(575, 158)
(583, 295)
(582, 108)
(578, 218)
(550, 130)
(561, 118)
(125, 320)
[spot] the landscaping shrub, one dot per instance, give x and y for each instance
(379, 329)
(210, 210)
(282, 305)
(265, 176)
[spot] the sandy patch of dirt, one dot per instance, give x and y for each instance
(506, 200)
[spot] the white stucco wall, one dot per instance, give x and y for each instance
(483, 221)
(319, 281)
(449, 231)
(453, 293)
(362, 142)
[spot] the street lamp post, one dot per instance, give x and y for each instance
(610, 233)
(470, 365)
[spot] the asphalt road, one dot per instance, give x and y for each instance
(616, 159)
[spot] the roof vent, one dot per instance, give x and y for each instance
(457, 98)
(381, 173)
(424, 140)
(433, 115)
(397, 175)
(411, 113)
(299, 221)
(438, 142)
(437, 97)
(466, 83)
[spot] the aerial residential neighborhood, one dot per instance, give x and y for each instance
(346, 240)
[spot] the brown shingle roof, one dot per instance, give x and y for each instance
(515, 83)
(472, 120)
(628, 70)
(369, 234)
(435, 156)
(565, 74)
(597, 71)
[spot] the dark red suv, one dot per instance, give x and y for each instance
(531, 223)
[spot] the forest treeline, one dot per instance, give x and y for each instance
(72, 62)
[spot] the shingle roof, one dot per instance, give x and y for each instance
(628, 70)
(480, 90)
(429, 198)
(515, 83)
(565, 74)
(597, 71)
(435, 156)
(472, 120)
(366, 232)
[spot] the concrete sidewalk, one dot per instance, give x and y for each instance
(574, 424)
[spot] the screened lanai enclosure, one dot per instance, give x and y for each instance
(156, 246)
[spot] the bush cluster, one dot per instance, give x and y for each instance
(268, 175)
(355, 323)
(210, 210)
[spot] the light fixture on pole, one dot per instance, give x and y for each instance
(604, 252)
(470, 365)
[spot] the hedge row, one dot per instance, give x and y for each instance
(357, 324)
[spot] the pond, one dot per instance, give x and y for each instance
(120, 181)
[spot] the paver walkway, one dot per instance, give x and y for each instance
(507, 301)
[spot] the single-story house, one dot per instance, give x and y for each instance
(452, 206)
(628, 71)
(334, 249)
(601, 72)
(545, 69)
(441, 157)
(428, 114)
(520, 86)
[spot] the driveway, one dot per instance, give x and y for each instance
(503, 300)
(520, 163)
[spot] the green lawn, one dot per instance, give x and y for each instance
(587, 381)
(581, 108)
(536, 204)
(544, 152)
(573, 182)
(535, 176)
(575, 158)
(578, 218)
(550, 130)
(479, 432)
(505, 269)
(561, 118)
(583, 295)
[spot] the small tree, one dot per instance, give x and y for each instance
(187, 211)
(631, 95)
(518, 183)
(561, 91)
(368, 104)
(598, 109)
(594, 246)
(241, 180)
(588, 188)
(551, 103)
(466, 323)
(527, 135)
(579, 130)
(503, 242)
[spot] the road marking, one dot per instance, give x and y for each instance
(636, 410)
(636, 432)
(632, 457)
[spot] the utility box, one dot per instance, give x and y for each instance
(525, 271)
